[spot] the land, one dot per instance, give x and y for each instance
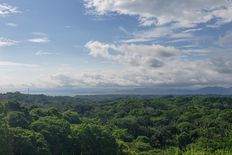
(115, 124)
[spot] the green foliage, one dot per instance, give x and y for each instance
(17, 119)
(95, 140)
(5, 147)
(28, 142)
(55, 131)
(142, 144)
(42, 112)
(123, 135)
(120, 125)
(72, 117)
(13, 106)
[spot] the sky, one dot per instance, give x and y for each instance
(115, 43)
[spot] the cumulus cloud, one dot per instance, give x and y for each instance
(222, 62)
(175, 21)
(133, 54)
(175, 73)
(6, 9)
(184, 13)
(6, 42)
(92, 79)
(147, 65)
(170, 51)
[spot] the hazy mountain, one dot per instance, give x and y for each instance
(128, 91)
(176, 91)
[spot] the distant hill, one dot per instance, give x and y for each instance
(216, 90)
(130, 91)
(166, 91)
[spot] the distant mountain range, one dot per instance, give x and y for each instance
(145, 91)
(128, 91)
(166, 91)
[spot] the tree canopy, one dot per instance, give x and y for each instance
(129, 126)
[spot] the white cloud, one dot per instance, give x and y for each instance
(169, 32)
(40, 37)
(16, 64)
(11, 24)
(184, 13)
(132, 54)
(140, 60)
(40, 34)
(39, 40)
(147, 65)
(146, 55)
(6, 9)
(136, 40)
(6, 42)
(91, 79)
(222, 62)
(42, 53)
(175, 73)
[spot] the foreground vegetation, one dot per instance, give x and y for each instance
(188, 125)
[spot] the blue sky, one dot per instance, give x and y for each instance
(117, 43)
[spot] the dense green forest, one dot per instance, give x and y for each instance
(115, 125)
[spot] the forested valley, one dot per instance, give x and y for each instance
(115, 125)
